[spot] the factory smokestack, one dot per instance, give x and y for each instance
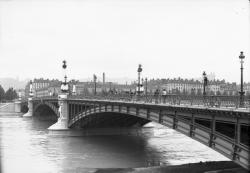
(103, 82)
(103, 78)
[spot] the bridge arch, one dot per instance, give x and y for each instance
(91, 114)
(24, 107)
(46, 110)
(109, 119)
(199, 124)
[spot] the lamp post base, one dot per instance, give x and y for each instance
(59, 125)
(241, 105)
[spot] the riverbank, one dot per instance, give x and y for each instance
(201, 167)
(13, 114)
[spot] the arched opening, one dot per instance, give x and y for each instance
(24, 109)
(109, 119)
(45, 113)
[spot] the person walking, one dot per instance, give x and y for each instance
(164, 95)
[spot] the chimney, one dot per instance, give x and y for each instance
(103, 78)
(103, 82)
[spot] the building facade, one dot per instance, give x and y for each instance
(42, 87)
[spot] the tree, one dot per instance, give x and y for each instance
(224, 93)
(177, 91)
(1, 93)
(230, 93)
(184, 92)
(248, 93)
(199, 92)
(211, 93)
(10, 94)
(192, 91)
(172, 91)
(218, 93)
(86, 91)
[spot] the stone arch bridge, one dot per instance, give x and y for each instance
(225, 130)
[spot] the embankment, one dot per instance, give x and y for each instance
(201, 167)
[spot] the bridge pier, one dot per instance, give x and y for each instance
(17, 107)
(30, 106)
(62, 122)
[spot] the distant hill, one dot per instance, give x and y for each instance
(13, 82)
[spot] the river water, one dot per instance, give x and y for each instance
(27, 146)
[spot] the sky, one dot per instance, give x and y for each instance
(170, 38)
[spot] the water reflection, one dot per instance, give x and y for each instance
(27, 147)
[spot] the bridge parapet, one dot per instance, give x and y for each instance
(173, 99)
(208, 101)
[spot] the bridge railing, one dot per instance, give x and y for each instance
(171, 99)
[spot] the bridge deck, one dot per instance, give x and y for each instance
(202, 107)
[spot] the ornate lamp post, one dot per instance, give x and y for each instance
(142, 85)
(241, 80)
(31, 94)
(64, 86)
(110, 86)
(63, 110)
(204, 83)
(139, 70)
(146, 87)
(94, 78)
(74, 89)
(19, 95)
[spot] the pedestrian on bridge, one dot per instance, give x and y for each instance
(156, 95)
(164, 95)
